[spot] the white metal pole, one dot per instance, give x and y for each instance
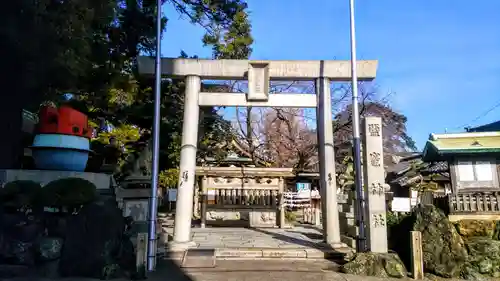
(361, 239)
(153, 203)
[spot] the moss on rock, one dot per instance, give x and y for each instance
(468, 249)
(484, 257)
(376, 264)
(496, 232)
(443, 248)
(476, 228)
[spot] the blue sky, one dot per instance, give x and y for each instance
(440, 58)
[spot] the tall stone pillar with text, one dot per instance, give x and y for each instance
(375, 187)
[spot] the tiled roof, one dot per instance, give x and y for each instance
(436, 167)
(406, 178)
(438, 146)
(492, 127)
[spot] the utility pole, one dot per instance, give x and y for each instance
(153, 203)
(358, 182)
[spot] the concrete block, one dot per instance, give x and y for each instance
(284, 253)
(314, 253)
(238, 253)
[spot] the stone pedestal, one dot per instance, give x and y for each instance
(134, 202)
(174, 246)
(375, 187)
(103, 182)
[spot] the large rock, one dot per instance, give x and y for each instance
(94, 242)
(49, 248)
(476, 228)
(484, 257)
(443, 248)
(18, 235)
(376, 264)
(496, 232)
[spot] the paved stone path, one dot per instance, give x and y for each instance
(297, 237)
(245, 271)
(299, 242)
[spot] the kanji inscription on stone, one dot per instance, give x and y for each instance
(378, 220)
(374, 130)
(258, 82)
(375, 159)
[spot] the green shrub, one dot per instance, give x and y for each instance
(68, 192)
(20, 193)
(394, 218)
(290, 216)
(395, 222)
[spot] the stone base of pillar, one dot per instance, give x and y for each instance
(338, 245)
(180, 246)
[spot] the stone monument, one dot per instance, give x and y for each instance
(375, 187)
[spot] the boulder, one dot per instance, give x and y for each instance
(376, 264)
(49, 248)
(476, 228)
(496, 232)
(18, 235)
(94, 241)
(484, 257)
(443, 248)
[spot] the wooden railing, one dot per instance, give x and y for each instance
(474, 203)
(230, 198)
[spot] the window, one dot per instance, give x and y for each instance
(474, 173)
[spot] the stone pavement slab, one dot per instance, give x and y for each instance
(297, 237)
(275, 270)
(301, 242)
(269, 270)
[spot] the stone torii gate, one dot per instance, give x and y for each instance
(259, 75)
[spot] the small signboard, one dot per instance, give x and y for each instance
(401, 204)
(172, 195)
(137, 209)
(303, 186)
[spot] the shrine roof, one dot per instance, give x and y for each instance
(440, 147)
(491, 127)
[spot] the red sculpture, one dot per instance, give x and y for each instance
(65, 121)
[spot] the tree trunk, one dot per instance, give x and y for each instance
(11, 121)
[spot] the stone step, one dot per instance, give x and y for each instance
(348, 240)
(352, 230)
(348, 218)
(347, 215)
(271, 253)
(199, 258)
(347, 208)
